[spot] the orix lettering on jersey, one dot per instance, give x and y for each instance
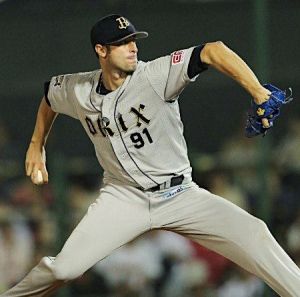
(101, 125)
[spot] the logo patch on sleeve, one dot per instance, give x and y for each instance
(58, 80)
(177, 57)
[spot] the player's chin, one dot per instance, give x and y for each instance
(131, 67)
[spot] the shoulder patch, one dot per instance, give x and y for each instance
(177, 57)
(58, 80)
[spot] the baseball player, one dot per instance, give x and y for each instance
(129, 109)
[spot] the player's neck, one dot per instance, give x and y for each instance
(113, 79)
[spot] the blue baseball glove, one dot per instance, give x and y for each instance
(269, 110)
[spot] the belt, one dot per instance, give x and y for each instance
(174, 181)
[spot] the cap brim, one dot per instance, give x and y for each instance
(136, 35)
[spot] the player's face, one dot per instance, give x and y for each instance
(123, 56)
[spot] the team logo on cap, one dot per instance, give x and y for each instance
(123, 23)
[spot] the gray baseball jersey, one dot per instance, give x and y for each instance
(136, 129)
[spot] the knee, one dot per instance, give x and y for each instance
(260, 231)
(64, 274)
(64, 271)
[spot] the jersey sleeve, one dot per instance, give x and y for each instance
(59, 94)
(170, 74)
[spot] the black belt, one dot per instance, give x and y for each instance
(174, 181)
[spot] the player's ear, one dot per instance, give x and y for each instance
(101, 50)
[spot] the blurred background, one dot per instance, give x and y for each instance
(42, 38)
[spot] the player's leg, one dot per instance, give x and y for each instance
(119, 215)
(230, 231)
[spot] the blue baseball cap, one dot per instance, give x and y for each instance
(113, 29)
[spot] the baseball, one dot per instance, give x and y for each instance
(39, 178)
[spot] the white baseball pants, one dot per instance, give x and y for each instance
(121, 213)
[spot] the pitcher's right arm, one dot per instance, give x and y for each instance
(36, 154)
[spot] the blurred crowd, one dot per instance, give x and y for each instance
(159, 263)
